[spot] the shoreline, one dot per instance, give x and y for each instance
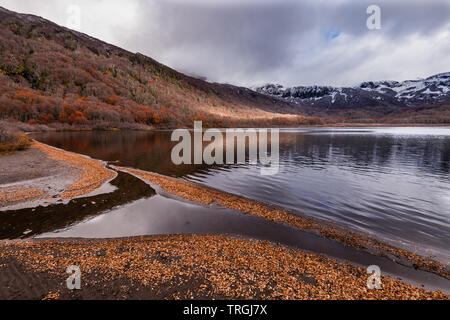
(91, 180)
(328, 125)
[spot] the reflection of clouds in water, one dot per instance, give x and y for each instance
(144, 217)
(446, 203)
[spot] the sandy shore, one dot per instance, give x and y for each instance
(209, 196)
(46, 174)
(185, 267)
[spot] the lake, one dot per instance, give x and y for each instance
(393, 183)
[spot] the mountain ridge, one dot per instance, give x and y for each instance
(408, 93)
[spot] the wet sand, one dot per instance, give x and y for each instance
(185, 267)
(44, 174)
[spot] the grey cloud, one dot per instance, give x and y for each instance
(255, 38)
(251, 42)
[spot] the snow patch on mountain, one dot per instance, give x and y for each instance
(407, 93)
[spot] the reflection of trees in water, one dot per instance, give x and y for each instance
(431, 154)
(152, 150)
(138, 149)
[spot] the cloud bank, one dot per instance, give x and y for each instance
(250, 42)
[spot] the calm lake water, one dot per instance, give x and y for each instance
(391, 182)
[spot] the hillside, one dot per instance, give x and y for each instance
(52, 75)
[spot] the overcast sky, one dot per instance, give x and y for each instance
(252, 42)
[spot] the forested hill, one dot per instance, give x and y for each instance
(52, 75)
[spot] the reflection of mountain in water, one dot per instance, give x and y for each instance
(382, 152)
(152, 150)
(149, 151)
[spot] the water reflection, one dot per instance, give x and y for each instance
(27, 223)
(138, 149)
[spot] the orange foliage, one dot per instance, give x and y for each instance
(27, 97)
(77, 118)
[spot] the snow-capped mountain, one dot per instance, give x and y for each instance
(435, 89)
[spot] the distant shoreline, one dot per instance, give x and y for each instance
(153, 129)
